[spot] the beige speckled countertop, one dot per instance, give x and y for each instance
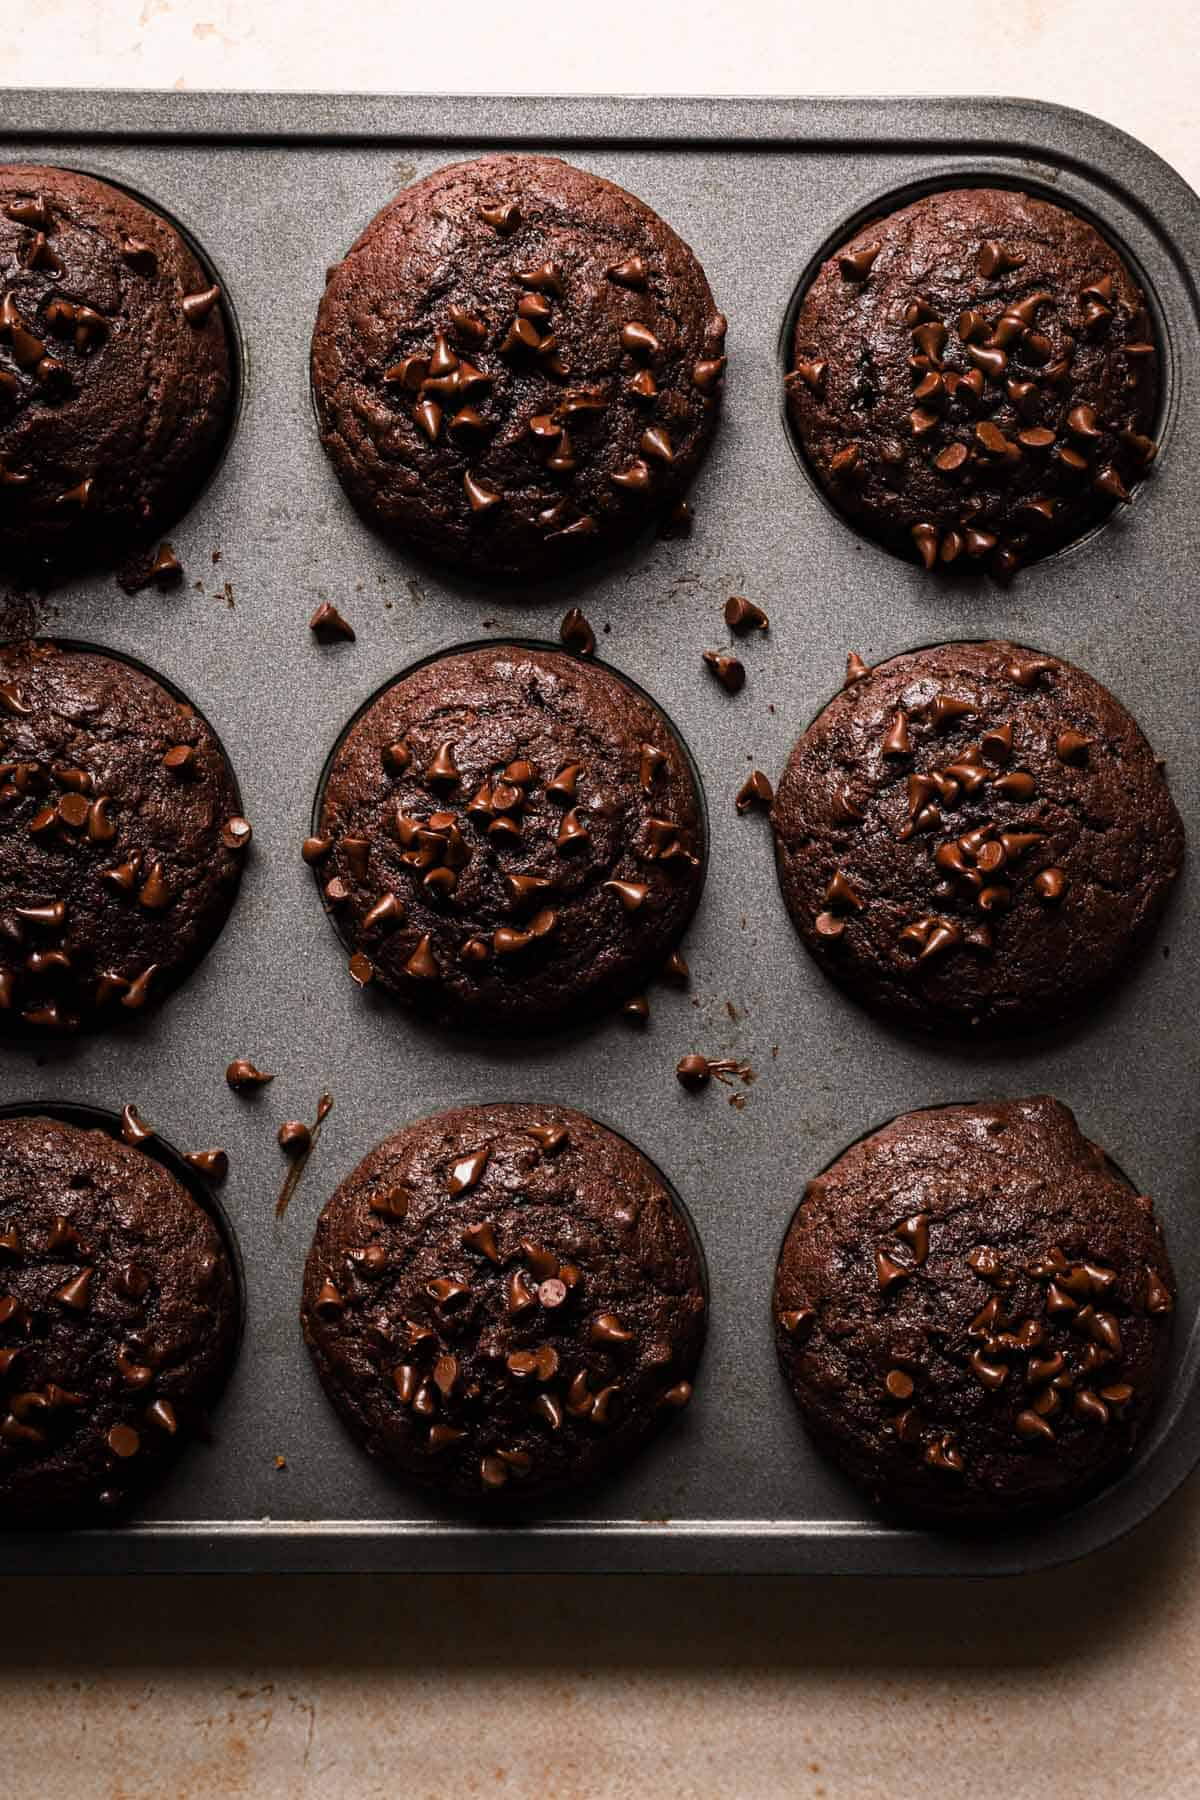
(1084, 1682)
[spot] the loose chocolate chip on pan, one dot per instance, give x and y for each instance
(328, 624)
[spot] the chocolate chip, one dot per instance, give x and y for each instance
(124, 1441)
(421, 965)
(443, 771)
(576, 633)
(480, 496)
(1109, 483)
(727, 670)
(295, 1138)
(742, 615)
(180, 760)
(196, 307)
(166, 570)
(756, 790)
(76, 1292)
(503, 216)
(1031, 1425)
(650, 767)
(212, 1164)
(693, 1073)
(236, 833)
(706, 373)
(242, 1075)
(1071, 746)
(994, 259)
(855, 265)
(888, 1271)
(1050, 884)
(896, 741)
(467, 1172)
(34, 212)
(813, 374)
(328, 624)
(1157, 1295)
(631, 894)
(675, 970)
(133, 1129)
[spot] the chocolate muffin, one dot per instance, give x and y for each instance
(517, 366)
(973, 1309)
(975, 838)
(118, 1320)
(121, 838)
(114, 368)
(509, 838)
(974, 378)
(504, 1302)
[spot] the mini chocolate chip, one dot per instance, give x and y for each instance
(813, 374)
(576, 633)
(855, 265)
(742, 615)
(242, 1074)
(180, 760)
(727, 670)
(631, 894)
(1158, 1294)
(166, 569)
(328, 624)
(480, 496)
(755, 791)
(212, 1164)
(693, 1073)
(196, 307)
(896, 740)
(1071, 746)
(888, 1270)
(75, 1293)
(294, 1137)
(1050, 884)
(631, 272)
(133, 1129)
(675, 970)
(467, 1172)
(422, 965)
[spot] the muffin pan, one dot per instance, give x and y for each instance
(275, 188)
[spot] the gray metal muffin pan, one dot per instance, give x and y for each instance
(274, 188)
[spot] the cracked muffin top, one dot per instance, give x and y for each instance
(121, 839)
(974, 378)
(973, 1309)
(975, 838)
(505, 1302)
(516, 367)
(509, 839)
(114, 369)
(118, 1321)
